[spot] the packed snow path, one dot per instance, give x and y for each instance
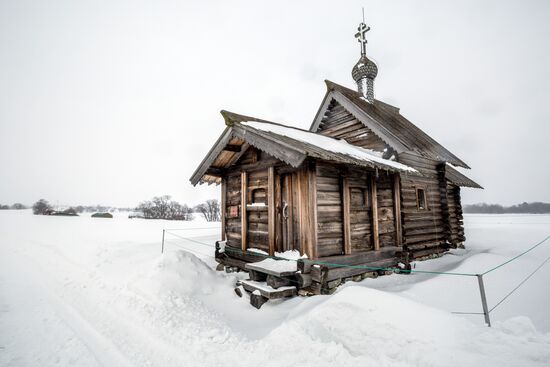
(96, 292)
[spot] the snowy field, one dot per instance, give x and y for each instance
(79, 291)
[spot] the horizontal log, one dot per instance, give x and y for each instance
(344, 272)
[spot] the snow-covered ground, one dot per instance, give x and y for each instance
(79, 291)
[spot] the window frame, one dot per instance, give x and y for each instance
(424, 191)
(365, 195)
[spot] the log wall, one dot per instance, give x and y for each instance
(330, 227)
(256, 217)
(424, 230)
(257, 214)
(233, 199)
(456, 221)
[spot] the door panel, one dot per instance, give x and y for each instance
(287, 238)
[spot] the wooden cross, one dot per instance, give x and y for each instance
(361, 36)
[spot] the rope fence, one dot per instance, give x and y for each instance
(486, 310)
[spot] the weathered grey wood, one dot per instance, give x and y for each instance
(374, 213)
(223, 206)
(302, 280)
(271, 209)
(212, 155)
(343, 272)
(319, 273)
(346, 215)
(246, 256)
(397, 209)
(304, 266)
(244, 219)
(267, 291)
(362, 257)
(312, 202)
(256, 275)
(261, 269)
(280, 150)
(277, 282)
(230, 261)
(258, 300)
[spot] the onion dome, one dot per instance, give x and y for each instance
(365, 68)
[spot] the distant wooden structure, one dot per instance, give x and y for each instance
(362, 186)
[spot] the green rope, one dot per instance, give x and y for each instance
(520, 284)
(399, 270)
(518, 256)
(189, 239)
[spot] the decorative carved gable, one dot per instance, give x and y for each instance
(339, 123)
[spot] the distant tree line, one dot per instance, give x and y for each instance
(163, 207)
(523, 208)
(159, 207)
(16, 206)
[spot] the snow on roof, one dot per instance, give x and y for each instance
(328, 143)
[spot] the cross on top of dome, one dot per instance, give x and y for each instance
(361, 34)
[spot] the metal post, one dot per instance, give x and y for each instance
(483, 299)
(162, 249)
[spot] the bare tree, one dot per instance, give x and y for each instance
(18, 206)
(161, 207)
(210, 210)
(41, 207)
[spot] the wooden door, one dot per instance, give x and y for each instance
(287, 238)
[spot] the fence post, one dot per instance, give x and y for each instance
(483, 299)
(162, 249)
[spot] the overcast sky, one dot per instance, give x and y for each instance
(114, 102)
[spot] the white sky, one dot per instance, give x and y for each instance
(114, 102)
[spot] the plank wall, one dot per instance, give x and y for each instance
(386, 215)
(360, 211)
(339, 123)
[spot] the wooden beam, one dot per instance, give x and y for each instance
(444, 201)
(306, 212)
(232, 148)
(213, 171)
(271, 209)
(346, 214)
(397, 208)
(244, 221)
(223, 205)
(312, 201)
(236, 157)
(374, 216)
(212, 155)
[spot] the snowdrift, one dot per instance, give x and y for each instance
(100, 294)
(357, 325)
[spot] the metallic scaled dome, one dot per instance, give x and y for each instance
(365, 68)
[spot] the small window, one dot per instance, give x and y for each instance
(421, 202)
(259, 196)
(358, 198)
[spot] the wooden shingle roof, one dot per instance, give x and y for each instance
(386, 121)
(288, 144)
(459, 179)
